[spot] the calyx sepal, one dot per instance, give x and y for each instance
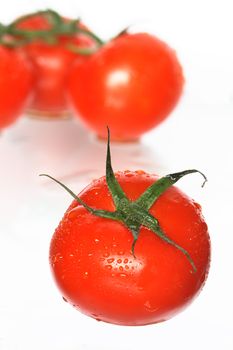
(135, 214)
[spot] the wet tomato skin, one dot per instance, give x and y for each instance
(16, 82)
(131, 85)
(94, 268)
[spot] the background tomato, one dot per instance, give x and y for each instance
(52, 62)
(16, 80)
(131, 85)
(93, 265)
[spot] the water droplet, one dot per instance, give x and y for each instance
(86, 274)
(126, 267)
(140, 288)
(140, 172)
(119, 261)
(96, 240)
(147, 304)
(110, 260)
(149, 307)
(90, 254)
(125, 261)
(129, 174)
(121, 252)
(197, 205)
(71, 255)
(106, 255)
(121, 268)
(123, 275)
(109, 267)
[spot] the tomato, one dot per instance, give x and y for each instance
(51, 64)
(131, 85)
(119, 267)
(16, 81)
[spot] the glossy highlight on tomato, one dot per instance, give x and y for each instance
(96, 271)
(131, 84)
(16, 82)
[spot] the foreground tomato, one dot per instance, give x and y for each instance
(120, 263)
(52, 62)
(16, 80)
(131, 85)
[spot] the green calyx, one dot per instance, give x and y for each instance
(135, 214)
(11, 35)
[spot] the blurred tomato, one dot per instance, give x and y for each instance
(52, 62)
(131, 84)
(16, 80)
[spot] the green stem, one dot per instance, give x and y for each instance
(92, 35)
(114, 187)
(135, 214)
(58, 28)
(102, 213)
(147, 199)
(84, 51)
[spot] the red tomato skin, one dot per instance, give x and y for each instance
(93, 266)
(51, 65)
(131, 85)
(16, 81)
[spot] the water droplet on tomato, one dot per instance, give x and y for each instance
(96, 240)
(106, 255)
(110, 260)
(121, 268)
(149, 307)
(197, 205)
(109, 267)
(126, 261)
(129, 174)
(119, 261)
(140, 172)
(123, 275)
(86, 274)
(121, 252)
(126, 267)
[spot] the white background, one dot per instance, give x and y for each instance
(197, 135)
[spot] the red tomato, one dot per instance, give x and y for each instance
(51, 63)
(93, 265)
(16, 80)
(131, 85)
